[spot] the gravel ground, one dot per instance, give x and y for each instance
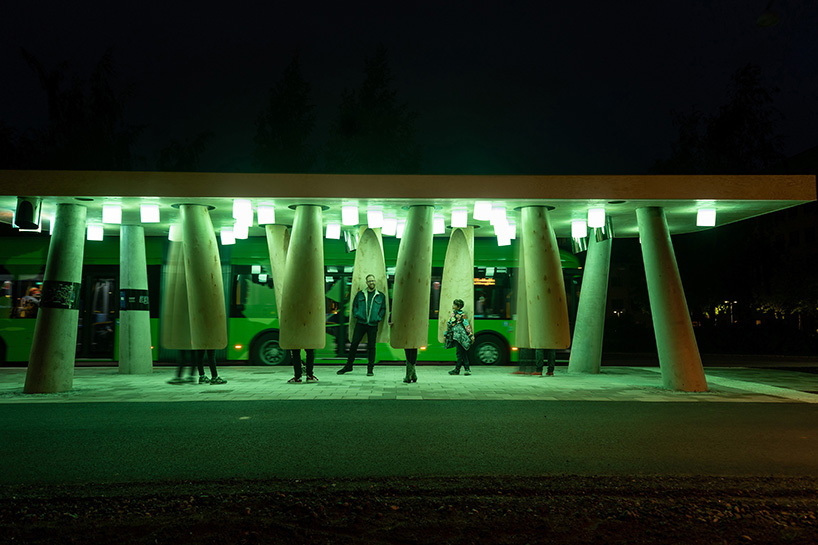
(564, 509)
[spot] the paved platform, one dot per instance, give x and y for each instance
(642, 384)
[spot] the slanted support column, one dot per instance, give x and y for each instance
(203, 275)
(135, 355)
(679, 357)
(51, 361)
(544, 286)
(278, 241)
(458, 277)
(302, 315)
(369, 260)
(413, 280)
(586, 348)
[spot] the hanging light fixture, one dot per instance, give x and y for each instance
(175, 233)
(460, 218)
(95, 232)
(243, 211)
(374, 218)
(266, 214)
(334, 231)
(438, 225)
(706, 217)
(400, 228)
(227, 236)
(390, 227)
(596, 217)
(349, 214)
(111, 213)
(241, 230)
(579, 229)
(149, 213)
(498, 215)
(482, 210)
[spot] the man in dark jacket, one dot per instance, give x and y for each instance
(368, 308)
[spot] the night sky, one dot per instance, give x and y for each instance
(512, 87)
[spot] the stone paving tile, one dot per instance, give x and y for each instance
(105, 384)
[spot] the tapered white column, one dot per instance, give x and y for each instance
(413, 280)
(278, 242)
(458, 276)
(522, 340)
(203, 275)
(544, 286)
(369, 260)
(53, 349)
(302, 315)
(175, 317)
(586, 348)
(679, 357)
(135, 356)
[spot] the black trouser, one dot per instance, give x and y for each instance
(371, 332)
(411, 361)
(540, 360)
(188, 357)
(295, 357)
(462, 357)
(208, 355)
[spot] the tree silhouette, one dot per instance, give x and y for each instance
(284, 128)
(183, 156)
(740, 138)
(373, 132)
(86, 123)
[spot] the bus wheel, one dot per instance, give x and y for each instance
(490, 350)
(266, 350)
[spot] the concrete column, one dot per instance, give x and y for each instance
(135, 356)
(413, 281)
(53, 350)
(175, 321)
(458, 277)
(369, 260)
(278, 242)
(203, 275)
(523, 341)
(545, 288)
(302, 315)
(586, 348)
(679, 357)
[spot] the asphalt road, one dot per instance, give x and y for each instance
(138, 442)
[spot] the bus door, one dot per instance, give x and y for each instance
(99, 306)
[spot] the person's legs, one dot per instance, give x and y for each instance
(552, 361)
(295, 358)
(411, 362)
(539, 361)
(357, 335)
(310, 361)
(460, 354)
(210, 356)
(466, 360)
(371, 339)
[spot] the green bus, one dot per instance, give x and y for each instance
(250, 301)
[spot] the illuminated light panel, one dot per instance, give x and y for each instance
(400, 228)
(255, 269)
(149, 213)
(243, 211)
(241, 230)
(175, 233)
(349, 215)
(334, 231)
(460, 218)
(482, 210)
(262, 277)
(227, 236)
(266, 214)
(596, 217)
(706, 217)
(95, 232)
(374, 218)
(579, 229)
(503, 240)
(111, 213)
(390, 227)
(438, 226)
(498, 215)
(512, 229)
